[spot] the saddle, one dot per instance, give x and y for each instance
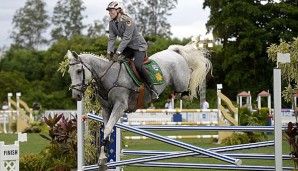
(155, 73)
(132, 66)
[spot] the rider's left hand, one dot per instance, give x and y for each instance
(118, 57)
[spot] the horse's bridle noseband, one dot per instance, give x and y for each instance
(83, 84)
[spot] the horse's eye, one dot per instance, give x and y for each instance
(79, 71)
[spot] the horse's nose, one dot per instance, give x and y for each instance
(79, 97)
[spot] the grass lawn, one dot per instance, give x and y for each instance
(203, 143)
(35, 143)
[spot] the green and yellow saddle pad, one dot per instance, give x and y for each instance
(155, 73)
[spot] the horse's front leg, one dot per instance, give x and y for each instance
(102, 159)
(117, 112)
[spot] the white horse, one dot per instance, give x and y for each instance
(183, 67)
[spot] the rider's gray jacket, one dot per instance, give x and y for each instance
(129, 34)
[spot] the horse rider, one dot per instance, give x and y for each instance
(132, 44)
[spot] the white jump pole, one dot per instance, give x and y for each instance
(283, 58)
(80, 153)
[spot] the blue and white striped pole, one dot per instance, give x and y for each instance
(173, 142)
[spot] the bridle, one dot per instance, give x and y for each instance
(98, 80)
(83, 85)
(95, 76)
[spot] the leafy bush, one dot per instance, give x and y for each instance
(56, 159)
(31, 161)
(244, 138)
(62, 135)
(243, 114)
(257, 118)
(291, 135)
(33, 128)
(236, 138)
(246, 118)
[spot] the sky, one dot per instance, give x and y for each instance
(187, 19)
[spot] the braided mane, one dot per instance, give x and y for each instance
(94, 55)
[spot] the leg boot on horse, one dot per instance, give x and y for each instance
(103, 158)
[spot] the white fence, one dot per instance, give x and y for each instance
(287, 116)
(66, 113)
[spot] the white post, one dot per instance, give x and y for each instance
(219, 87)
(281, 58)
(18, 103)
(259, 102)
(238, 99)
(5, 118)
(180, 104)
(80, 154)
(295, 102)
(277, 119)
(248, 100)
(118, 146)
(9, 95)
(269, 104)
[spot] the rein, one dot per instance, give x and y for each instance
(97, 79)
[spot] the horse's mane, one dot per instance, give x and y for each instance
(198, 62)
(94, 55)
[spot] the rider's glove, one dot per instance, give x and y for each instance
(118, 57)
(110, 55)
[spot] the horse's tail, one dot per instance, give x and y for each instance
(198, 62)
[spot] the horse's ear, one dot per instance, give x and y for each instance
(75, 54)
(69, 55)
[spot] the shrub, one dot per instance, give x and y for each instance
(291, 135)
(236, 138)
(56, 159)
(258, 118)
(33, 128)
(62, 135)
(31, 161)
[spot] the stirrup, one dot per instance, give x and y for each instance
(154, 95)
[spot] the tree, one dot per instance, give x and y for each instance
(97, 29)
(29, 23)
(151, 16)
(246, 29)
(289, 71)
(67, 19)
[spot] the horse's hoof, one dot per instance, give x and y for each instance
(103, 167)
(102, 161)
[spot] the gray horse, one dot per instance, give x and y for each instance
(183, 67)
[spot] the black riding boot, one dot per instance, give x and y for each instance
(153, 91)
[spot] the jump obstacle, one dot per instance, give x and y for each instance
(192, 150)
(142, 121)
(147, 161)
(224, 119)
(17, 113)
